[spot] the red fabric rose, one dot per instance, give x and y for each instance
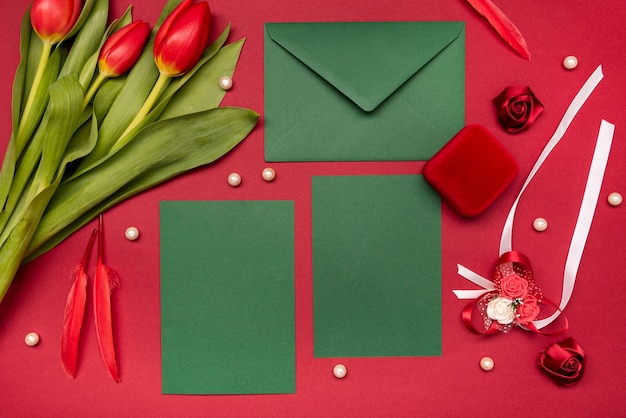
(527, 311)
(517, 108)
(564, 362)
(513, 287)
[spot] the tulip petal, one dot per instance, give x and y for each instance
(122, 49)
(167, 23)
(52, 20)
(182, 42)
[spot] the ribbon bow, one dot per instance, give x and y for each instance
(511, 299)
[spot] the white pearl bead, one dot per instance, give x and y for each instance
(31, 339)
(615, 199)
(570, 62)
(486, 363)
(340, 371)
(131, 233)
(234, 179)
(540, 224)
(226, 83)
(269, 174)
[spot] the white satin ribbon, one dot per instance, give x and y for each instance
(487, 285)
(585, 216)
(587, 209)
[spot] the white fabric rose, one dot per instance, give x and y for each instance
(501, 309)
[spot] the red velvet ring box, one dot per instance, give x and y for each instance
(471, 170)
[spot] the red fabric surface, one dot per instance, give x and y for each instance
(471, 170)
(32, 381)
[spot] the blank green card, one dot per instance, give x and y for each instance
(227, 297)
(376, 266)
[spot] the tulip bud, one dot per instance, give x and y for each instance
(182, 38)
(52, 20)
(122, 49)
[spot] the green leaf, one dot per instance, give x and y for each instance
(66, 100)
(19, 91)
(7, 173)
(57, 127)
(106, 96)
(157, 154)
(14, 247)
(84, 15)
(88, 39)
(19, 82)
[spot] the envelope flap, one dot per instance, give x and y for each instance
(372, 60)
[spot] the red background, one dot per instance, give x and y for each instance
(32, 382)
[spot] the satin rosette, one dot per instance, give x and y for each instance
(564, 362)
(517, 108)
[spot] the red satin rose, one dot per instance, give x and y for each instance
(182, 38)
(52, 20)
(122, 49)
(513, 287)
(517, 108)
(564, 362)
(527, 311)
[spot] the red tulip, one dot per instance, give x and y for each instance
(122, 49)
(52, 20)
(182, 38)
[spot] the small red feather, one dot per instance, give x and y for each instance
(74, 313)
(502, 25)
(105, 281)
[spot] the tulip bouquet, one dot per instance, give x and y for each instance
(101, 113)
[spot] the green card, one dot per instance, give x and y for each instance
(227, 297)
(362, 91)
(376, 266)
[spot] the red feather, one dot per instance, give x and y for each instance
(104, 282)
(74, 313)
(502, 25)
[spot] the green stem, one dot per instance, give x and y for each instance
(158, 88)
(94, 87)
(43, 61)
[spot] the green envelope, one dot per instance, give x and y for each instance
(362, 91)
